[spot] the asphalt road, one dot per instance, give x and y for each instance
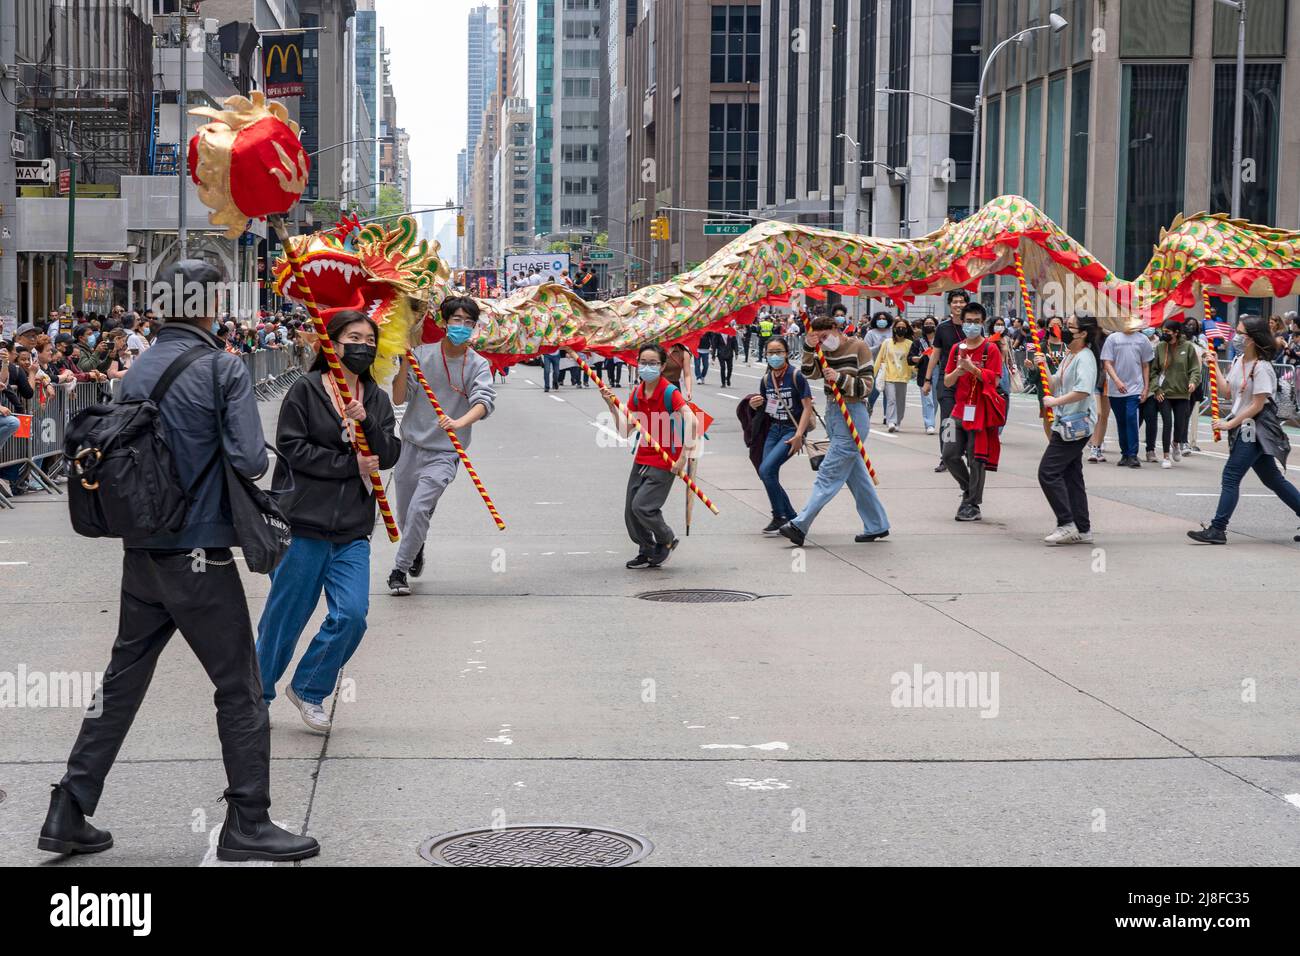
(1135, 702)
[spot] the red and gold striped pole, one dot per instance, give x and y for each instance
(1212, 361)
(1036, 334)
(684, 476)
(460, 449)
(844, 410)
(336, 369)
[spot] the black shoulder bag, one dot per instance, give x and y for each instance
(264, 534)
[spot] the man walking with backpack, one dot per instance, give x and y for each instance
(186, 580)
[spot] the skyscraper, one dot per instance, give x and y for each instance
(544, 119)
(578, 123)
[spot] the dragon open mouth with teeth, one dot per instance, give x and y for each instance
(387, 273)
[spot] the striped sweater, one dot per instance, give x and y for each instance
(852, 363)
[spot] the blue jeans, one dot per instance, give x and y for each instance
(551, 370)
(775, 454)
(701, 365)
(1245, 456)
(343, 571)
(843, 465)
(928, 408)
(1125, 410)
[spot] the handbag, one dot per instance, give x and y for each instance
(260, 526)
(815, 447)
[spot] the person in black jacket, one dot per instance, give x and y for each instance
(327, 499)
(187, 581)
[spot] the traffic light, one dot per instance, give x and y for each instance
(659, 228)
(460, 225)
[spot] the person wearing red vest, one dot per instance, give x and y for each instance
(660, 409)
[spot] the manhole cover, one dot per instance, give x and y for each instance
(536, 846)
(698, 596)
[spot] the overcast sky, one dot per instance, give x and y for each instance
(427, 40)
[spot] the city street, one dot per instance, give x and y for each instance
(1143, 690)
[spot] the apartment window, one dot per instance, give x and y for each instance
(577, 86)
(965, 81)
(992, 149)
(1011, 146)
(867, 80)
(1259, 138)
(1153, 132)
(581, 59)
(791, 103)
(734, 44)
(1033, 178)
(1265, 29)
(900, 57)
(1078, 202)
(581, 29)
(1081, 30)
(1155, 28)
(1054, 199)
(814, 94)
(839, 87)
(733, 156)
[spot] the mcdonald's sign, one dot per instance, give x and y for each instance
(282, 65)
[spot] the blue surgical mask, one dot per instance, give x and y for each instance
(648, 373)
(776, 361)
(459, 334)
(972, 329)
(841, 321)
(881, 323)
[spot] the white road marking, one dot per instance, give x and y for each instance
(555, 398)
(725, 395)
(548, 502)
(773, 745)
(882, 434)
(609, 431)
(1293, 799)
(577, 552)
(12, 564)
(1214, 494)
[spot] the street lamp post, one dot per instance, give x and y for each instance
(1056, 23)
(1234, 306)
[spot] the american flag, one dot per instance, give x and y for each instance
(1215, 329)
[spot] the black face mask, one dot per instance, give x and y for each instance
(1166, 336)
(358, 358)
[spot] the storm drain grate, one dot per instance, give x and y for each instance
(699, 596)
(546, 845)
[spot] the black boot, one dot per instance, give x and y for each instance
(243, 838)
(1209, 535)
(66, 829)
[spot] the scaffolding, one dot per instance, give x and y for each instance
(85, 78)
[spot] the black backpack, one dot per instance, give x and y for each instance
(123, 482)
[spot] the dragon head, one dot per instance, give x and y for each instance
(387, 273)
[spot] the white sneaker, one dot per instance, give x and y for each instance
(313, 715)
(1177, 452)
(1065, 534)
(1094, 453)
(1085, 537)
(1166, 463)
(930, 430)
(893, 428)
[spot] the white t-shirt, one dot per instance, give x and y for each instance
(1260, 379)
(137, 343)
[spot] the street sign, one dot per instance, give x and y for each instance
(726, 228)
(34, 171)
(598, 255)
(17, 144)
(65, 182)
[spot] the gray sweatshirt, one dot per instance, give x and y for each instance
(420, 422)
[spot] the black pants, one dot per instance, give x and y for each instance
(615, 371)
(959, 456)
(1173, 413)
(1060, 475)
(947, 399)
(163, 591)
(725, 363)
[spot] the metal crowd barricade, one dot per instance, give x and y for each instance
(41, 455)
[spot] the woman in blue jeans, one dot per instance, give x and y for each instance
(1257, 441)
(786, 399)
(327, 498)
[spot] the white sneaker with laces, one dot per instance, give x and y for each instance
(1177, 451)
(1065, 534)
(930, 430)
(1166, 463)
(1085, 537)
(313, 715)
